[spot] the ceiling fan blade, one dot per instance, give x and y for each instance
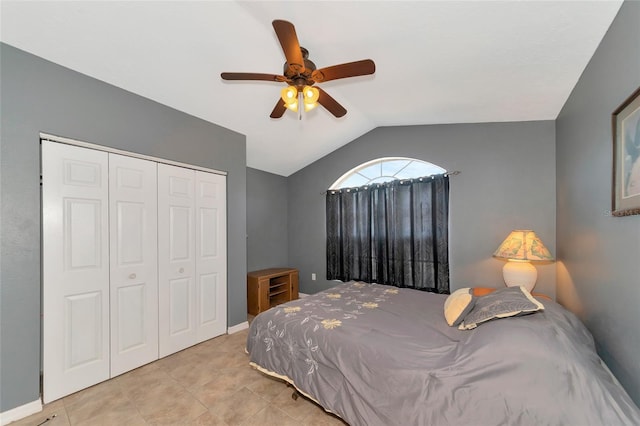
(278, 110)
(252, 76)
(330, 104)
(286, 33)
(350, 69)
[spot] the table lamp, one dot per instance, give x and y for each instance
(519, 248)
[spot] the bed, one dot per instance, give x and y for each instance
(380, 355)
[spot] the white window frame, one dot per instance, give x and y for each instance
(338, 184)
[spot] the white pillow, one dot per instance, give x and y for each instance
(458, 305)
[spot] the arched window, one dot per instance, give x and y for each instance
(388, 225)
(386, 169)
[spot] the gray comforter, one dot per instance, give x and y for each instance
(379, 355)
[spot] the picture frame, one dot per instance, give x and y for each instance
(625, 123)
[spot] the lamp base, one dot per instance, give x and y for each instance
(519, 273)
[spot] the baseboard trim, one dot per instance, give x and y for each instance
(20, 412)
(238, 327)
(301, 295)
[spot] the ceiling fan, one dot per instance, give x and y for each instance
(301, 74)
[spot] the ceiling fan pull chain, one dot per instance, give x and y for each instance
(300, 104)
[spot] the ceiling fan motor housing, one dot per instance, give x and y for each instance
(304, 78)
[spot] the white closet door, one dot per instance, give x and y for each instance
(133, 216)
(176, 258)
(75, 269)
(211, 255)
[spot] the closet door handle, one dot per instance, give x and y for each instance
(181, 270)
(132, 276)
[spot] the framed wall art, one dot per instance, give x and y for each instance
(625, 122)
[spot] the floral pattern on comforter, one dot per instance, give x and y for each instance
(379, 355)
(316, 315)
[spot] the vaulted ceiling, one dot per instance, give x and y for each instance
(436, 62)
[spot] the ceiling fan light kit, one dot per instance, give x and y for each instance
(301, 74)
(308, 94)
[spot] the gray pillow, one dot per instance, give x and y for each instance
(502, 303)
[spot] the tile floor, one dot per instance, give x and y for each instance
(208, 384)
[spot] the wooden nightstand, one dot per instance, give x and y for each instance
(267, 288)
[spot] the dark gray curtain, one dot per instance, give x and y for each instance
(394, 233)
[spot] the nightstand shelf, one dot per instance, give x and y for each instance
(267, 288)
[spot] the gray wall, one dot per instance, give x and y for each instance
(267, 215)
(507, 182)
(38, 96)
(599, 268)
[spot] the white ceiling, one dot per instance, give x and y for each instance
(436, 62)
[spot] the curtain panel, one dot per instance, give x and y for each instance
(394, 233)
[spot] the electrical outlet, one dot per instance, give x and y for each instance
(313, 277)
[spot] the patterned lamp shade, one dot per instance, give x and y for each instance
(523, 244)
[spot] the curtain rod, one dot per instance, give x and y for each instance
(454, 173)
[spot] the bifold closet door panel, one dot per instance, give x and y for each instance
(133, 216)
(211, 255)
(176, 258)
(75, 266)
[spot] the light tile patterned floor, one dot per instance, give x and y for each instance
(208, 384)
